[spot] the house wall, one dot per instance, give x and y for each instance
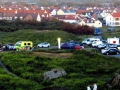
(54, 12)
(70, 21)
(112, 21)
(104, 15)
(81, 23)
(90, 24)
(97, 24)
(60, 12)
(38, 18)
(109, 20)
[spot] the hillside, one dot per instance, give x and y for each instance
(35, 36)
(82, 68)
(38, 36)
(27, 68)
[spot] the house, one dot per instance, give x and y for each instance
(69, 18)
(6, 16)
(90, 22)
(82, 11)
(113, 19)
(53, 11)
(65, 12)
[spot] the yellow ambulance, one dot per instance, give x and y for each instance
(23, 45)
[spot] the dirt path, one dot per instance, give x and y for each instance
(53, 55)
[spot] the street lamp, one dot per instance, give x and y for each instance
(59, 40)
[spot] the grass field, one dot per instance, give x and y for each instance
(82, 67)
(51, 36)
(108, 34)
(38, 36)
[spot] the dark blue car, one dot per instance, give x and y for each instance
(97, 31)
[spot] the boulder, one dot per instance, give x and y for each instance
(114, 83)
(54, 73)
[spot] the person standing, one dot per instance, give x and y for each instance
(94, 86)
(88, 87)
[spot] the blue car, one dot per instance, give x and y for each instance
(97, 31)
(9, 46)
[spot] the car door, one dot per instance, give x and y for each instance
(112, 51)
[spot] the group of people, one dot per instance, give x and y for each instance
(94, 87)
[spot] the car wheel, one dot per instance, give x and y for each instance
(117, 52)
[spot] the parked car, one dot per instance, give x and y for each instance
(109, 51)
(9, 46)
(118, 46)
(96, 43)
(73, 42)
(97, 31)
(85, 40)
(102, 46)
(111, 45)
(111, 29)
(78, 46)
(44, 44)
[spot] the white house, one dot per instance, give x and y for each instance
(113, 19)
(90, 22)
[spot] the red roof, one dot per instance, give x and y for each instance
(83, 11)
(68, 17)
(116, 14)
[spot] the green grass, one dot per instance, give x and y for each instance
(82, 68)
(37, 36)
(108, 34)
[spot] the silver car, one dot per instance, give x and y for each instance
(44, 44)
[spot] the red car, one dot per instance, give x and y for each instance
(79, 47)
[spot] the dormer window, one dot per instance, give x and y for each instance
(21, 18)
(15, 17)
(43, 15)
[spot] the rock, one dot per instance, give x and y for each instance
(54, 73)
(114, 82)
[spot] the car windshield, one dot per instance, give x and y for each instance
(17, 44)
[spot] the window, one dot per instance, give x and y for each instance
(15, 17)
(21, 18)
(28, 43)
(116, 19)
(117, 23)
(24, 43)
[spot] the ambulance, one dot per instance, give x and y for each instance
(23, 45)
